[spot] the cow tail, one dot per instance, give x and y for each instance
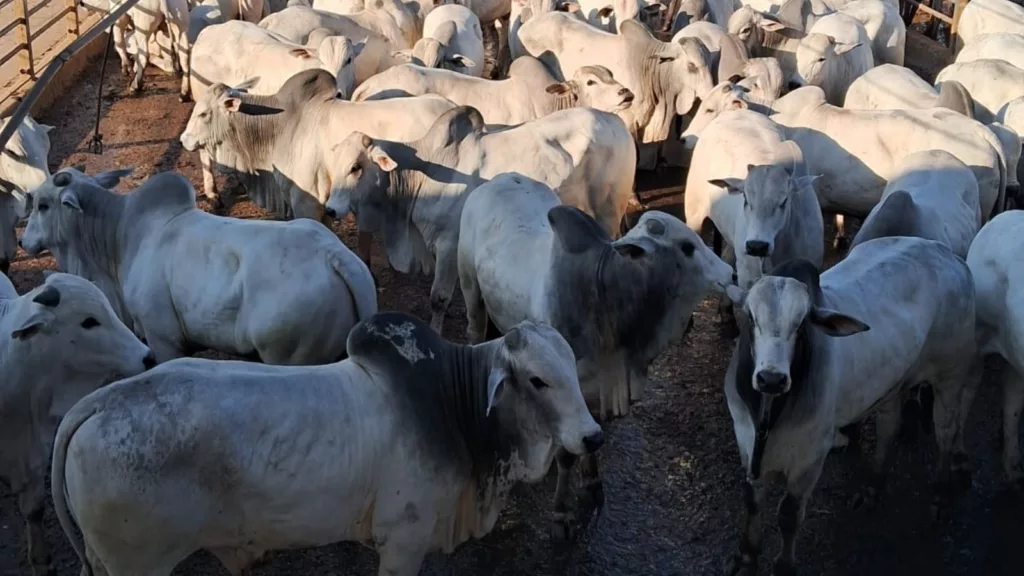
(357, 276)
(72, 421)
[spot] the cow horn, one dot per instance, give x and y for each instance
(49, 297)
(514, 340)
(61, 179)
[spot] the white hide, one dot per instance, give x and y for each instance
(183, 278)
(989, 17)
(1007, 47)
(835, 52)
(995, 263)
(452, 35)
(608, 15)
(891, 87)
(992, 84)
(145, 17)
(398, 21)
(234, 52)
(936, 198)
(23, 166)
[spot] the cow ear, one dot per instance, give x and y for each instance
(733, 185)
(110, 178)
(496, 384)
(381, 159)
(736, 294)
(460, 60)
(841, 49)
(232, 104)
(558, 88)
(357, 49)
(801, 182)
(69, 198)
(31, 326)
(303, 53)
(636, 247)
(48, 296)
(835, 323)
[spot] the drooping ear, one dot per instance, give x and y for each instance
(636, 247)
(835, 323)
(110, 178)
(48, 296)
(357, 49)
(558, 88)
(733, 80)
(460, 60)
(69, 198)
(31, 326)
(496, 385)
(732, 185)
(801, 182)
(736, 294)
(303, 53)
(381, 159)
(841, 49)
(605, 12)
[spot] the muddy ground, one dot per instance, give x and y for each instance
(671, 470)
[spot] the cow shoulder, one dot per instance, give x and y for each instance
(165, 192)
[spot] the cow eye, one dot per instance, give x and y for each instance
(43, 207)
(90, 323)
(355, 169)
(783, 203)
(687, 247)
(822, 59)
(538, 383)
(591, 82)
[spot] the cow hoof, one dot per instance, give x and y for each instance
(126, 72)
(592, 495)
(563, 528)
(740, 565)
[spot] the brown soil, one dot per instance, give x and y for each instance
(671, 470)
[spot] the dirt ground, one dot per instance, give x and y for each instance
(671, 471)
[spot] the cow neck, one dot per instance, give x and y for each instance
(464, 397)
(566, 101)
(92, 247)
(255, 130)
(643, 107)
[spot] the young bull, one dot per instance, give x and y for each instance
(288, 292)
(58, 343)
(410, 445)
(23, 166)
(792, 382)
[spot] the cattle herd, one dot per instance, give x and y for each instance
(351, 424)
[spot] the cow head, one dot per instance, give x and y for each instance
(59, 202)
(337, 55)
(209, 124)
(533, 381)
(23, 166)
(767, 193)
(751, 26)
(779, 309)
(68, 335)
(822, 61)
(594, 87)
(722, 98)
(436, 50)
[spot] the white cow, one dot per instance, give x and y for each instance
(59, 342)
(452, 39)
(992, 84)
(883, 25)
(409, 446)
(280, 145)
(234, 52)
(709, 34)
(530, 91)
(162, 48)
(835, 52)
(23, 166)
(666, 78)
(906, 308)
(585, 154)
(399, 21)
(989, 17)
(932, 196)
(758, 196)
(994, 260)
(617, 310)
(892, 87)
(1007, 47)
(1012, 115)
(302, 24)
(145, 17)
(287, 292)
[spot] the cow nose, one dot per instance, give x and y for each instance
(757, 248)
(149, 362)
(593, 442)
(331, 213)
(626, 94)
(771, 382)
(5, 266)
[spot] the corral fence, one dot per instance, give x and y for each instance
(941, 18)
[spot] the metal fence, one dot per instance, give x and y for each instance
(943, 18)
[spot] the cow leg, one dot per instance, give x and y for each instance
(476, 310)
(445, 275)
(503, 58)
(562, 522)
(30, 502)
(180, 54)
(791, 514)
(593, 488)
(118, 30)
(745, 562)
(953, 393)
(141, 62)
(887, 424)
(209, 182)
(364, 242)
(842, 241)
(1013, 405)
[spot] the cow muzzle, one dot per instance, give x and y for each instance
(593, 442)
(758, 248)
(771, 382)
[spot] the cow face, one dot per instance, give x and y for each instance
(690, 76)
(70, 335)
(57, 202)
(767, 193)
(778, 310)
(533, 383)
(23, 166)
(750, 26)
(819, 62)
(209, 125)
(359, 172)
(726, 96)
(594, 87)
(338, 55)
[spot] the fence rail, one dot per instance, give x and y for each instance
(909, 9)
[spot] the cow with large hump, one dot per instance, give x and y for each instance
(980, 17)
(932, 195)
(280, 145)
(413, 193)
(23, 166)
(665, 78)
(410, 445)
(285, 292)
(1006, 47)
(994, 260)
(992, 84)
(820, 352)
(531, 91)
(59, 342)
(619, 303)
(892, 87)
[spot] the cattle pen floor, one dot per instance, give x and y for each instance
(671, 469)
